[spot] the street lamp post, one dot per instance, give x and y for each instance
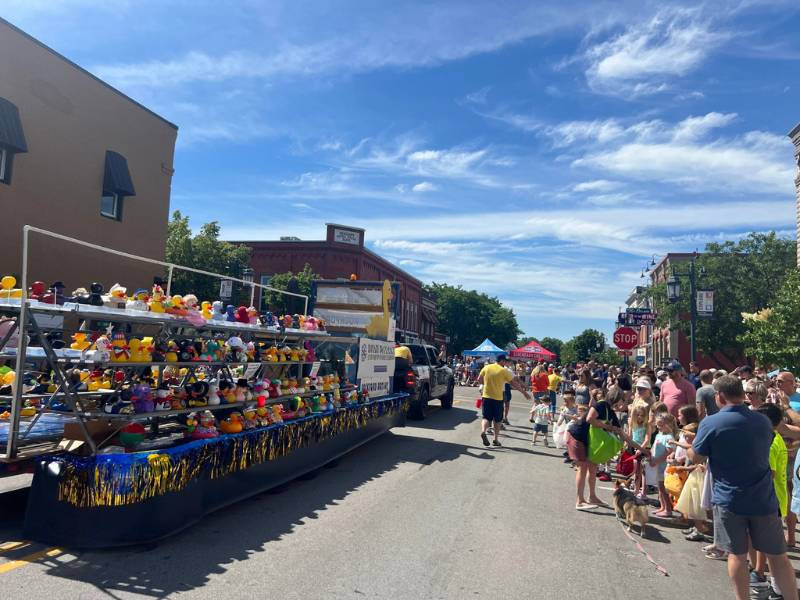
(248, 275)
(674, 294)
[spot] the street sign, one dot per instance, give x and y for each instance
(625, 352)
(705, 303)
(226, 288)
(625, 338)
(636, 318)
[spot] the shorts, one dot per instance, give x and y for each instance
(540, 395)
(492, 410)
(732, 531)
(576, 449)
(540, 428)
(553, 398)
(506, 395)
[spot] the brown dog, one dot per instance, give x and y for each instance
(629, 509)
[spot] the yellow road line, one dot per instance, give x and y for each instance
(13, 545)
(25, 560)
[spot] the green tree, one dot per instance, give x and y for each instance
(588, 343)
(468, 317)
(744, 276)
(202, 251)
(772, 335)
(569, 353)
(552, 344)
(283, 281)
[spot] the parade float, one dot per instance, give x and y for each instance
(140, 413)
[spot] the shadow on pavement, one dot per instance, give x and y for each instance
(187, 560)
(439, 419)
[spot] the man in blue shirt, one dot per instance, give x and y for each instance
(736, 441)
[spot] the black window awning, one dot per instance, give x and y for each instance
(11, 134)
(117, 178)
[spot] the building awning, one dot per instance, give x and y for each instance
(117, 178)
(429, 315)
(11, 134)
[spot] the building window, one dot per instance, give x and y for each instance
(111, 206)
(5, 166)
(12, 138)
(117, 185)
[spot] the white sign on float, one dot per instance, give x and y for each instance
(375, 366)
(226, 288)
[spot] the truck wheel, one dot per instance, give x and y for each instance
(418, 409)
(447, 399)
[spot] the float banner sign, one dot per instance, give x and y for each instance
(375, 366)
(705, 303)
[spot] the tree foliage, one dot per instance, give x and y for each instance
(552, 344)
(772, 335)
(590, 344)
(469, 317)
(202, 251)
(744, 276)
(280, 303)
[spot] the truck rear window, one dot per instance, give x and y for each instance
(418, 352)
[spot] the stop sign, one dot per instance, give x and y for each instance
(626, 338)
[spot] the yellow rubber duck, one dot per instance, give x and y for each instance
(27, 410)
(157, 298)
(79, 342)
(7, 289)
(134, 345)
(205, 310)
(232, 424)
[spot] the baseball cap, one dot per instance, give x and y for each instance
(673, 366)
(661, 372)
(644, 382)
(500, 357)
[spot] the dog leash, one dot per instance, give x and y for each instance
(641, 549)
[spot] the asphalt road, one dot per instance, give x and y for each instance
(424, 511)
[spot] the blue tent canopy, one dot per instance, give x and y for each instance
(485, 348)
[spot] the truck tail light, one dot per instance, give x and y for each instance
(411, 379)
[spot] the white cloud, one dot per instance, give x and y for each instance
(598, 185)
(424, 186)
(693, 128)
(672, 43)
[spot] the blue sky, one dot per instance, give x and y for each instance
(538, 151)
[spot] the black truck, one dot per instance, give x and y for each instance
(424, 379)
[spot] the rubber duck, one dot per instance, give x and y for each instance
(230, 313)
(242, 316)
(191, 424)
(284, 389)
(138, 301)
(207, 426)
(272, 354)
(79, 342)
(269, 319)
(142, 399)
(250, 418)
(119, 348)
(133, 349)
(213, 393)
(176, 306)
(294, 355)
(146, 349)
(55, 295)
(197, 394)
(276, 414)
(227, 391)
(37, 290)
(275, 388)
(284, 354)
(157, 298)
(94, 381)
(163, 398)
(116, 297)
(172, 352)
(252, 315)
(287, 321)
(205, 310)
(242, 390)
(95, 294)
(263, 416)
(250, 350)
(218, 311)
(28, 410)
(7, 289)
(233, 424)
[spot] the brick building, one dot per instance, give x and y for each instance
(82, 159)
(342, 254)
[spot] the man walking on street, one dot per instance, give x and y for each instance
(677, 391)
(493, 377)
(736, 442)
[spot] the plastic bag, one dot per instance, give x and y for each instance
(625, 463)
(674, 480)
(603, 446)
(690, 502)
(560, 435)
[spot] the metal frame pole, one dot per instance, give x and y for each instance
(169, 281)
(22, 342)
(693, 305)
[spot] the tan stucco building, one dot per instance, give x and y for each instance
(82, 159)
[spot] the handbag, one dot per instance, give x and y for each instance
(603, 446)
(625, 463)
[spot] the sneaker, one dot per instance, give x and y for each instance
(568, 460)
(490, 430)
(484, 439)
(496, 443)
(502, 427)
(505, 422)
(603, 476)
(565, 454)
(773, 595)
(689, 531)
(757, 580)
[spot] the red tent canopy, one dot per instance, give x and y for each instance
(532, 351)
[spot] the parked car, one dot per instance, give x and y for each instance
(427, 378)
